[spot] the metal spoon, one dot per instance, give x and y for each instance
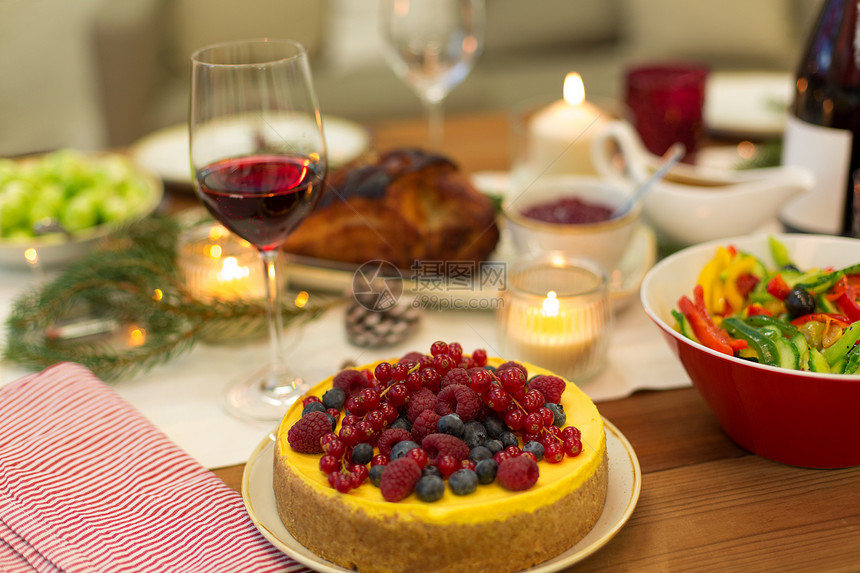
(672, 157)
(50, 225)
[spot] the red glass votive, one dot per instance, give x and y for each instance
(666, 104)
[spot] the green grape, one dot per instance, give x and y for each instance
(80, 212)
(15, 197)
(48, 203)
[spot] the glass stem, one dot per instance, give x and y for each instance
(435, 116)
(275, 320)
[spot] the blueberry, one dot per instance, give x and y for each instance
(480, 453)
(400, 448)
(332, 420)
(334, 398)
(431, 471)
(475, 434)
(362, 453)
(534, 447)
(430, 488)
(559, 417)
(375, 474)
(313, 407)
(402, 422)
(495, 446)
(509, 439)
(494, 426)
(451, 424)
(486, 471)
(463, 482)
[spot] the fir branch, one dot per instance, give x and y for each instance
(131, 278)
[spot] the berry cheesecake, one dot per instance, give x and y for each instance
(441, 462)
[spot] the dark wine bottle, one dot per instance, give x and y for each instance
(822, 129)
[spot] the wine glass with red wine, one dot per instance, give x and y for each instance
(259, 160)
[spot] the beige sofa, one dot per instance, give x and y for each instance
(138, 50)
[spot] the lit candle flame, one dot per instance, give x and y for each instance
(550, 304)
(231, 270)
(574, 89)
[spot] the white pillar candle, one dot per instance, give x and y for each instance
(560, 135)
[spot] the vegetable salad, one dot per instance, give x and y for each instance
(803, 319)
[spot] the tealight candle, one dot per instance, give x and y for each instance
(218, 265)
(559, 136)
(556, 315)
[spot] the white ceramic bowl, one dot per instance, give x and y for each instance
(790, 416)
(57, 249)
(604, 242)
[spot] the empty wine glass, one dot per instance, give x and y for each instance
(432, 45)
(259, 160)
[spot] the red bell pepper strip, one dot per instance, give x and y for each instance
(755, 309)
(845, 295)
(708, 334)
(746, 283)
(847, 303)
(778, 288)
(825, 317)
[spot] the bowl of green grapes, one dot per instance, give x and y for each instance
(55, 207)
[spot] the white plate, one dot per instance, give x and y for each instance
(165, 152)
(56, 249)
(750, 104)
(625, 483)
(331, 276)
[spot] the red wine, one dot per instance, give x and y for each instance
(261, 198)
(823, 127)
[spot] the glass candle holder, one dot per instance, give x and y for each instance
(217, 264)
(556, 315)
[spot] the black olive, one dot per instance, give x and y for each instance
(799, 302)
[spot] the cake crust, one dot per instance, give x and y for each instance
(355, 540)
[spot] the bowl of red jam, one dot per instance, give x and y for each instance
(574, 215)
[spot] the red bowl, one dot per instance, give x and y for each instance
(793, 417)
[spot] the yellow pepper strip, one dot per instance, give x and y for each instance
(712, 283)
(742, 264)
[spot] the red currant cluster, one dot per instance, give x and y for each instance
(524, 410)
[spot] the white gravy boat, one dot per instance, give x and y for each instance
(696, 204)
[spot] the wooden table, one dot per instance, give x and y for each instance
(706, 504)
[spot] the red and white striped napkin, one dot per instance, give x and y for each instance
(88, 484)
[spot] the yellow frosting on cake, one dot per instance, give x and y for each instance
(555, 482)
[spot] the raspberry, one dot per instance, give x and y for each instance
(513, 364)
(519, 473)
(551, 387)
(413, 357)
(456, 376)
(304, 436)
(459, 399)
(425, 424)
(437, 445)
(350, 381)
(420, 400)
(390, 437)
(399, 478)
